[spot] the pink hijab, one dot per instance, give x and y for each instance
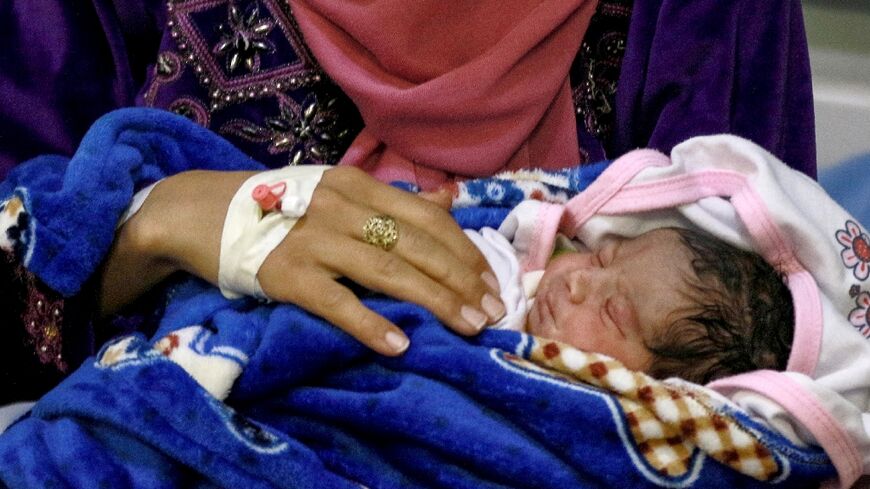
(452, 88)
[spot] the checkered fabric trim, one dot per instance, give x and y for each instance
(667, 422)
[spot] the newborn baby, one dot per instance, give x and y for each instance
(671, 302)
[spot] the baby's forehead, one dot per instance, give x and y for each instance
(665, 242)
(656, 272)
(664, 236)
(662, 255)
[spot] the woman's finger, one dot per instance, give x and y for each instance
(359, 187)
(434, 221)
(430, 274)
(389, 273)
(432, 263)
(339, 306)
(335, 303)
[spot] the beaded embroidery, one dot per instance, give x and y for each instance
(43, 309)
(268, 68)
(41, 312)
(240, 67)
(595, 72)
(244, 37)
(309, 132)
(43, 319)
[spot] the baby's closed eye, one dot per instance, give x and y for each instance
(620, 311)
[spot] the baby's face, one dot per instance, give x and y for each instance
(616, 299)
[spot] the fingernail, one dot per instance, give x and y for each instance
(474, 317)
(397, 342)
(490, 280)
(493, 307)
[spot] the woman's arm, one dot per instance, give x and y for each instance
(433, 263)
(178, 228)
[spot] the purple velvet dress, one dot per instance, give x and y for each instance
(649, 73)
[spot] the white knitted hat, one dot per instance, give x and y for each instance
(739, 192)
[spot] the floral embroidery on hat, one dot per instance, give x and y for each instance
(856, 249)
(859, 316)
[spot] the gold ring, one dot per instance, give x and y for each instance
(381, 231)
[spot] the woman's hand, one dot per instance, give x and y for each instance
(432, 264)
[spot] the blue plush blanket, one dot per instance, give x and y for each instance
(239, 394)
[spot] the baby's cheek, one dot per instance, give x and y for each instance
(640, 359)
(623, 313)
(632, 351)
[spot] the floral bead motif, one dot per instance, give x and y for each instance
(244, 37)
(254, 51)
(168, 66)
(856, 249)
(307, 132)
(859, 315)
(241, 68)
(41, 310)
(43, 320)
(192, 109)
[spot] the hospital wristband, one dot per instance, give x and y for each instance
(261, 213)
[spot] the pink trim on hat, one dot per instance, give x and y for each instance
(544, 237)
(809, 324)
(807, 409)
(809, 321)
(673, 191)
(586, 204)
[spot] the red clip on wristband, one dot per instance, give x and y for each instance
(269, 196)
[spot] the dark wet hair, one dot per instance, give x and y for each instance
(742, 317)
